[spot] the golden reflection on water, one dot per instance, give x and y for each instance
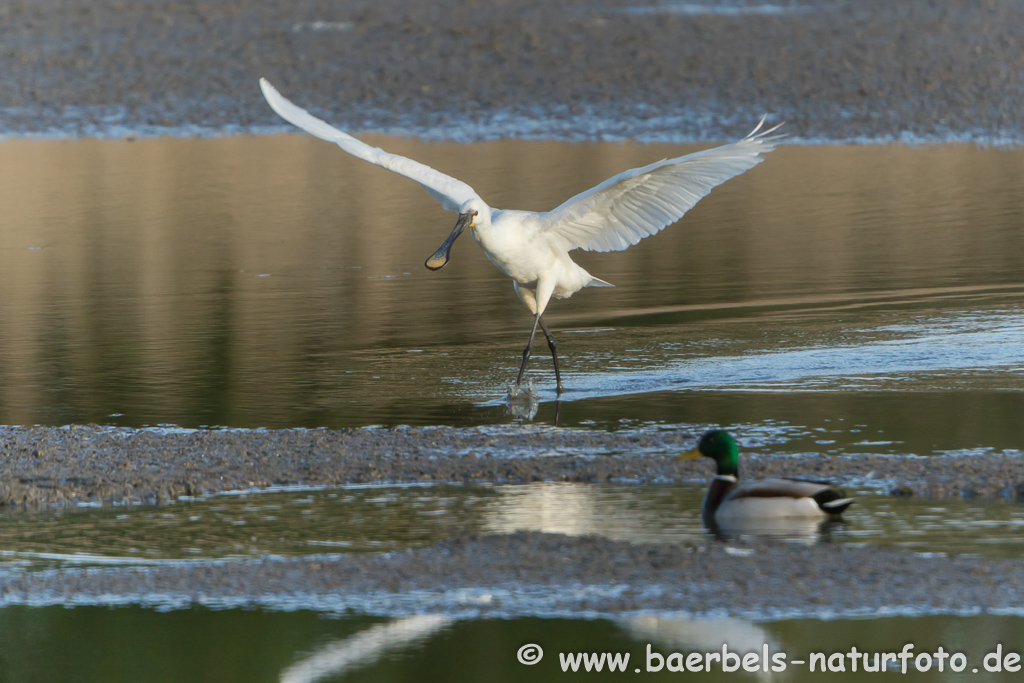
(387, 519)
(249, 280)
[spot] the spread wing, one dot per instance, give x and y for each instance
(450, 192)
(640, 202)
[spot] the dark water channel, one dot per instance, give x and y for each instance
(142, 646)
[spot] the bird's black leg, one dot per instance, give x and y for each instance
(554, 352)
(526, 351)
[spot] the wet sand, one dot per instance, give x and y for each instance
(832, 69)
(496, 575)
(88, 464)
(548, 574)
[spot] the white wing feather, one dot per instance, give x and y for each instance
(450, 192)
(640, 202)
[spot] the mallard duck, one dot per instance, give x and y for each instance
(728, 501)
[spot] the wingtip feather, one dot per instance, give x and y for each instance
(449, 191)
(764, 136)
(300, 118)
(270, 93)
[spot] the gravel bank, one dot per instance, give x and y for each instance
(547, 575)
(48, 466)
(834, 69)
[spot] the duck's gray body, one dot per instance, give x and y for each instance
(729, 500)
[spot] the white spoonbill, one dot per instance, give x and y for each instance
(533, 247)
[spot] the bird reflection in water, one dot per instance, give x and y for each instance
(364, 648)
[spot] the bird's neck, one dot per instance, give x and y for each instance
(727, 468)
(483, 233)
(717, 491)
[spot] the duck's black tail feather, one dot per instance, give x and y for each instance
(832, 501)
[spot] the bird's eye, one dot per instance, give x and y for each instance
(476, 213)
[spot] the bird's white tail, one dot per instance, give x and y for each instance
(597, 282)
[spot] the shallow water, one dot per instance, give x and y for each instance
(385, 519)
(273, 281)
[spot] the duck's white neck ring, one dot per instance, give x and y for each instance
(726, 477)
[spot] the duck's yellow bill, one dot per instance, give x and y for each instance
(689, 455)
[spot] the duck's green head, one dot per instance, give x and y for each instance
(720, 447)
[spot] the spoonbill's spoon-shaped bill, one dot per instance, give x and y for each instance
(532, 247)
